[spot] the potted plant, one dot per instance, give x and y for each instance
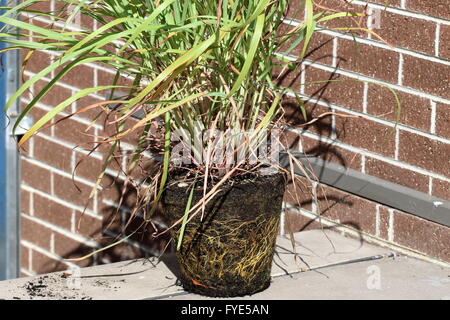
(202, 76)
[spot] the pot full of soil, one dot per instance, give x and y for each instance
(229, 252)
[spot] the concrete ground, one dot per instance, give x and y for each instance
(328, 266)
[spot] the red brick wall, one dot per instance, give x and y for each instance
(413, 154)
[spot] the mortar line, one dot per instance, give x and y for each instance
(400, 70)
(391, 233)
(437, 39)
(433, 117)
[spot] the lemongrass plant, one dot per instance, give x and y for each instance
(196, 65)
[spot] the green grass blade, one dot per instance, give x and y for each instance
(185, 59)
(52, 113)
(250, 55)
(310, 26)
(185, 216)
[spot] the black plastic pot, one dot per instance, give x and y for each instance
(229, 253)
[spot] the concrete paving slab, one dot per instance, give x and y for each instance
(316, 248)
(399, 278)
(392, 279)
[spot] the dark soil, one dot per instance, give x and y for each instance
(188, 174)
(228, 253)
(53, 287)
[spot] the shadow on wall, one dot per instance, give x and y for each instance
(297, 116)
(115, 225)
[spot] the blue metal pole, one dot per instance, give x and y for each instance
(3, 215)
(9, 165)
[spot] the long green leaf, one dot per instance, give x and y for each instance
(185, 216)
(56, 110)
(254, 43)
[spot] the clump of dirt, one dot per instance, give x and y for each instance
(107, 284)
(51, 287)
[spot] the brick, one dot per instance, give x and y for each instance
(141, 230)
(35, 233)
(24, 257)
(92, 114)
(75, 132)
(106, 78)
(443, 120)
(116, 161)
(41, 6)
(331, 153)
(145, 169)
(35, 176)
(54, 97)
(366, 134)
(285, 77)
(371, 61)
(86, 22)
(427, 76)
(384, 215)
(296, 222)
(299, 193)
(88, 226)
(441, 189)
(113, 189)
(424, 153)
(435, 8)
(424, 236)
(334, 88)
(293, 115)
(111, 129)
(80, 76)
(389, 3)
(69, 248)
(25, 202)
(290, 140)
(343, 22)
(414, 111)
(72, 191)
(134, 136)
(320, 47)
(37, 61)
(112, 218)
(349, 210)
(53, 154)
(391, 173)
(295, 10)
(407, 32)
(120, 252)
(87, 166)
(444, 42)
(44, 264)
(52, 212)
(37, 113)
